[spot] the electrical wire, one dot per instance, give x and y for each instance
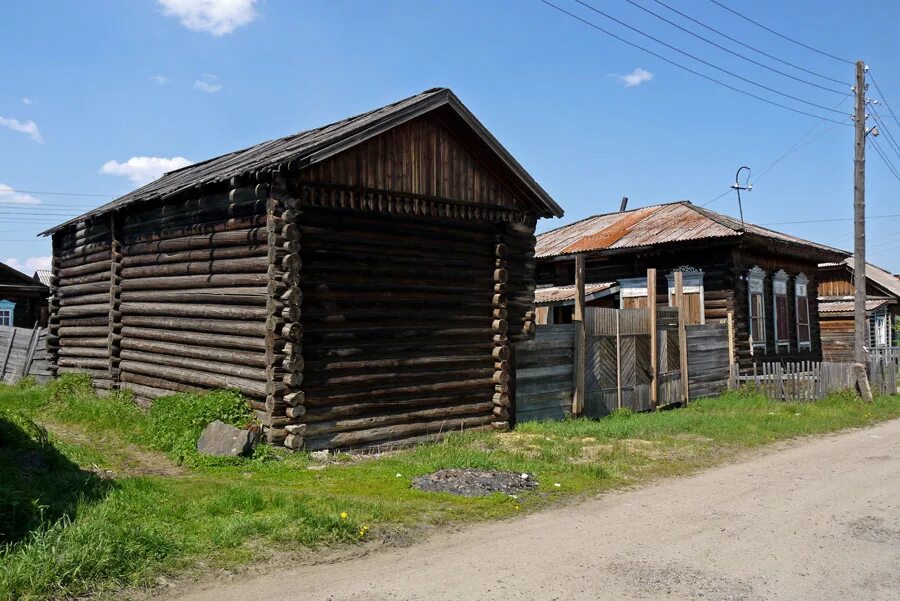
(753, 48)
(737, 54)
(883, 98)
(688, 69)
(834, 219)
(722, 195)
(882, 128)
(884, 158)
(705, 62)
(772, 31)
(5, 189)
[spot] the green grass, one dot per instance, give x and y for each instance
(67, 531)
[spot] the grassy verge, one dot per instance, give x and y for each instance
(101, 502)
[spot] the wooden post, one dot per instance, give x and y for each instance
(730, 321)
(32, 346)
(654, 344)
(682, 336)
(580, 338)
(618, 361)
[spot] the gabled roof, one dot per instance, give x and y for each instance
(883, 279)
(660, 224)
(23, 282)
(315, 145)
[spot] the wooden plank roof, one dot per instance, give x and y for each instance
(315, 145)
(566, 294)
(680, 221)
(846, 307)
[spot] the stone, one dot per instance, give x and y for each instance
(861, 379)
(222, 440)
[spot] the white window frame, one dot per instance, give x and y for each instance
(7, 313)
(801, 294)
(691, 283)
(631, 288)
(779, 288)
(756, 278)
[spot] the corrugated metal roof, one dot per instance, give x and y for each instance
(314, 145)
(658, 224)
(846, 306)
(558, 294)
(44, 276)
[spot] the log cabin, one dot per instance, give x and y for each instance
(23, 300)
(766, 279)
(360, 283)
(836, 309)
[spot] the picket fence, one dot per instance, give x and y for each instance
(811, 380)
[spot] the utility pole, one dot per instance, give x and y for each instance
(859, 243)
(859, 217)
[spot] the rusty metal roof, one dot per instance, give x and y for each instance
(882, 278)
(562, 294)
(315, 145)
(846, 306)
(658, 224)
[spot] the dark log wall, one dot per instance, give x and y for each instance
(79, 333)
(397, 326)
(193, 295)
(837, 338)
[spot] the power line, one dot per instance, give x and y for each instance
(688, 69)
(723, 194)
(5, 189)
(884, 158)
(830, 220)
(730, 51)
(883, 97)
(753, 48)
(772, 31)
(705, 62)
(887, 132)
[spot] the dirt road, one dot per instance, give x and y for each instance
(818, 520)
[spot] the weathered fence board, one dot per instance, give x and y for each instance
(809, 380)
(708, 362)
(545, 373)
(23, 354)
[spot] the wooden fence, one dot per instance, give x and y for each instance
(810, 380)
(708, 360)
(23, 353)
(545, 378)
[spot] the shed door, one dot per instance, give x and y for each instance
(397, 326)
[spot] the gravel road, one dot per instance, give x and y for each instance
(816, 520)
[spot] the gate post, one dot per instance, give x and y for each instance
(682, 337)
(580, 342)
(654, 359)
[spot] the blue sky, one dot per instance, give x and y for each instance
(91, 87)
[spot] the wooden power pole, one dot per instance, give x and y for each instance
(859, 218)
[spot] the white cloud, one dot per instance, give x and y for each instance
(208, 83)
(10, 196)
(143, 170)
(30, 264)
(218, 17)
(635, 78)
(26, 127)
(26, 100)
(160, 79)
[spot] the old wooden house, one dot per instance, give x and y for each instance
(836, 309)
(23, 300)
(765, 279)
(360, 283)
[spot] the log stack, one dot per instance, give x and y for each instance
(500, 327)
(285, 407)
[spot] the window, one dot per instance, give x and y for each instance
(633, 293)
(780, 311)
(878, 328)
(755, 285)
(7, 309)
(692, 286)
(802, 307)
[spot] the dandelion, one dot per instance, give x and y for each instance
(343, 515)
(517, 508)
(364, 529)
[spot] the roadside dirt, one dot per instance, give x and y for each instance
(818, 520)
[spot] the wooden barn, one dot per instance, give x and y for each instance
(23, 300)
(360, 283)
(836, 290)
(766, 279)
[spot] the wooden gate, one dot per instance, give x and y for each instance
(545, 374)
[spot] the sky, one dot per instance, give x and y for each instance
(99, 97)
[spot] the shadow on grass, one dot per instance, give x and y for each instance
(40, 485)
